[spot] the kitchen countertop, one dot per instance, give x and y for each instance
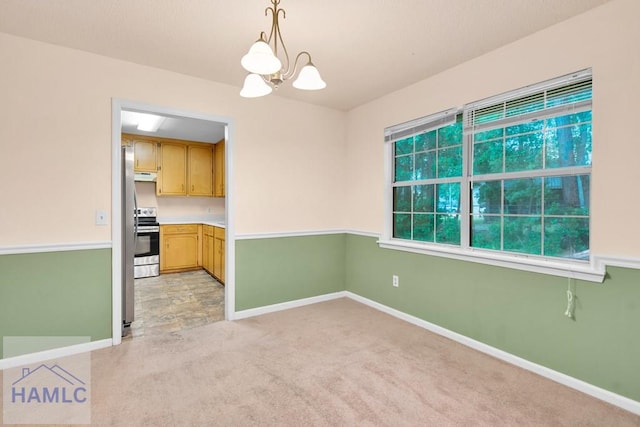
(206, 220)
(215, 224)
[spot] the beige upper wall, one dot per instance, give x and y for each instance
(55, 140)
(605, 39)
(291, 169)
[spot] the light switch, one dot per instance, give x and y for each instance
(101, 218)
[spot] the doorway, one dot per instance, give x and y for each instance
(177, 115)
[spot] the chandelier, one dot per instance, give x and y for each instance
(267, 71)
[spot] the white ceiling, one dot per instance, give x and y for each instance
(363, 48)
(176, 127)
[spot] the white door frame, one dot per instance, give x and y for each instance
(117, 105)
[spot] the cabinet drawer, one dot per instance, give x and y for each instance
(207, 230)
(180, 229)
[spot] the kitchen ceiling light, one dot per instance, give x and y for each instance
(267, 70)
(149, 122)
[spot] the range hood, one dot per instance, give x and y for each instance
(145, 176)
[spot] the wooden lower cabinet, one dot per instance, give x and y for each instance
(218, 263)
(208, 248)
(179, 247)
(213, 239)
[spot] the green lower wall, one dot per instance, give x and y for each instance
(69, 293)
(518, 312)
(271, 271)
(56, 294)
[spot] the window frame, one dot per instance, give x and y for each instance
(557, 266)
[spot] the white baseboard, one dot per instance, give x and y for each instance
(597, 392)
(287, 305)
(41, 356)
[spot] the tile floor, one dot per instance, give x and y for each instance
(172, 302)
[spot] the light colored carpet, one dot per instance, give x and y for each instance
(329, 364)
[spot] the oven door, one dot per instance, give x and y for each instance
(148, 242)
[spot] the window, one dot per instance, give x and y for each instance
(427, 175)
(505, 175)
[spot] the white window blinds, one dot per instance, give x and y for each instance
(571, 93)
(421, 125)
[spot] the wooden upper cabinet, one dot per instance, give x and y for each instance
(172, 174)
(145, 152)
(219, 159)
(145, 155)
(185, 168)
(200, 167)
(126, 139)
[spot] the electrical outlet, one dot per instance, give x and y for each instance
(101, 218)
(396, 281)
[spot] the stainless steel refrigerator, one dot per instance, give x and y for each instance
(128, 236)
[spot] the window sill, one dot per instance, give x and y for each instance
(564, 268)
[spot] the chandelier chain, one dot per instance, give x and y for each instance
(276, 36)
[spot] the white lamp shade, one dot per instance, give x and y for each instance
(309, 79)
(261, 60)
(254, 87)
